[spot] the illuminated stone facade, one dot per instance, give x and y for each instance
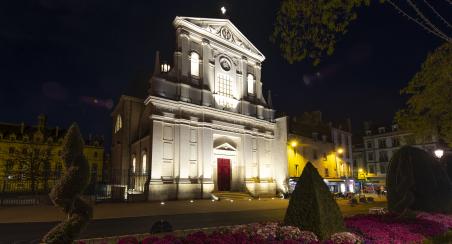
(205, 125)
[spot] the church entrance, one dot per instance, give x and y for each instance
(224, 174)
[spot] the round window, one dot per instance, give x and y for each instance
(225, 64)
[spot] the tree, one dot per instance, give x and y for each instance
(31, 161)
(66, 193)
(310, 29)
(429, 107)
(417, 181)
(312, 207)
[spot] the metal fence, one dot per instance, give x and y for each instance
(17, 188)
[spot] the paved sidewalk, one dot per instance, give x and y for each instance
(26, 214)
(49, 213)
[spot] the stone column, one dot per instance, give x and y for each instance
(258, 86)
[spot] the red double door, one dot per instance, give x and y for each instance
(224, 174)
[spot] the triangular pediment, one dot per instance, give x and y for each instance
(226, 146)
(224, 30)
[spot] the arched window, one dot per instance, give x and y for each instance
(250, 84)
(118, 124)
(144, 163)
(134, 164)
(194, 58)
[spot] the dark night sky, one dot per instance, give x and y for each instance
(57, 56)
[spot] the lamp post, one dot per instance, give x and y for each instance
(339, 151)
(361, 178)
(294, 144)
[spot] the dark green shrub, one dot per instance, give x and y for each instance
(446, 161)
(312, 207)
(66, 192)
(417, 181)
(161, 226)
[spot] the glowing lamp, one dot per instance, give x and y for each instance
(340, 150)
(360, 170)
(294, 143)
(223, 10)
(439, 153)
(165, 68)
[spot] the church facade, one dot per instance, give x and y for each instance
(205, 126)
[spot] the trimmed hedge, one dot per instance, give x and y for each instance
(417, 181)
(446, 161)
(312, 206)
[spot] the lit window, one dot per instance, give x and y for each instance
(144, 163)
(194, 57)
(223, 86)
(134, 164)
(250, 84)
(118, 124)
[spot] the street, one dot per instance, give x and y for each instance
(32, 232)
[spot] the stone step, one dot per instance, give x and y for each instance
(231, 195)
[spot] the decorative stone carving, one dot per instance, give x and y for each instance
(225, 64)
(225, 33)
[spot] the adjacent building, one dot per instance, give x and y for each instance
(30, 156)
(328, 148)
(378, 144)
(205, 125)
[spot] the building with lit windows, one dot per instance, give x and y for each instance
(205, 125)
(378, 145)
(30, 156)
(328, 148)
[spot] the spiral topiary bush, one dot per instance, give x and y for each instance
(312, 206)
(66, 192)
(417, 181)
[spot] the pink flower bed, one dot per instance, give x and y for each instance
(271, 232)
(443, 219)
(391, 229)
(365, 229)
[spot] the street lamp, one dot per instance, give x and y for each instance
(439, 153)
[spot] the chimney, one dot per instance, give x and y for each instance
(269, 99)
(157, 63)
(366, 125)
(349, 125)
(41, 122)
